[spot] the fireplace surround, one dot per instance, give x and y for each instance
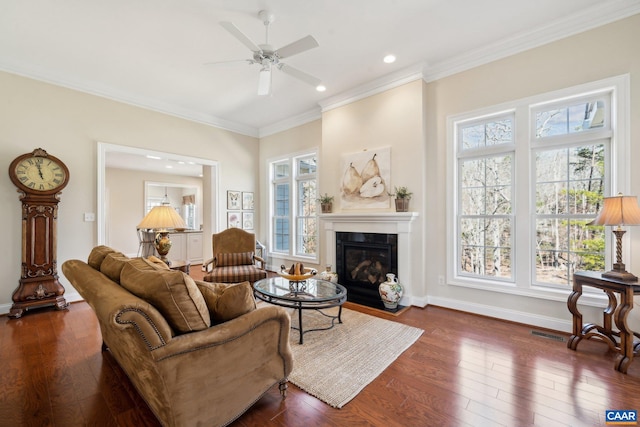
(362, 263)
(396, 223)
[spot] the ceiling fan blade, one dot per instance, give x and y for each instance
(297, 47)
(264, 81)
(231, 62)
(235, 31)
(300, 75)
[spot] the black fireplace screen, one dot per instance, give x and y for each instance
(362, 263)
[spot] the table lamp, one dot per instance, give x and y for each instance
(161, 219)
(618, 211)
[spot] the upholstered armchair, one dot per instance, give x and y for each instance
(234, 259)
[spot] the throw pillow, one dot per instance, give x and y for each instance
(157, 262)
(97, 256)
(173, 293)
(226, 301)
(113, 264)
(239, 258)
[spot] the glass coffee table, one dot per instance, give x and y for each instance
(310, 294)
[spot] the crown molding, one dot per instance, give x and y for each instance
(96, 89)
(374, 87)
(603, 14)
(290, 123)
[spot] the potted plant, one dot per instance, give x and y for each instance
(326, 203)
(402, 195)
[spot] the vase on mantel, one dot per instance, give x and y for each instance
(329, 275)
(390, 292)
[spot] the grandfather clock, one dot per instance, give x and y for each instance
(40, 178)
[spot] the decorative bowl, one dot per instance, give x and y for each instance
(308, 273)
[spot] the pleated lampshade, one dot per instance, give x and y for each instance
(161, 218)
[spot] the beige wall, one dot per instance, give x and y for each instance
(605, 52)
(392, 119)
(68, 124)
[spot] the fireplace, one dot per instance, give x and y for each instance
(362, 263)
(399, 224)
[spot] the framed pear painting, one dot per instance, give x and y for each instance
(365, 181)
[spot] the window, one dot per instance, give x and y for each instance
(485, 196)
(570, 173)
(295, 224)
(535, 172)
(281, 202)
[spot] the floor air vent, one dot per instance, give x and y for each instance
(549, 336)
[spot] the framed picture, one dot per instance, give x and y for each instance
(234, 220)
(233, 200)
(366, 179)
(247, 200)
(247, 220)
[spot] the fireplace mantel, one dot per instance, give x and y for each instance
(377, 222)
(399, 217)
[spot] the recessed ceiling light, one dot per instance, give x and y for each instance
(169, 167)
(153, 157)
(321, 88)
(389, 59)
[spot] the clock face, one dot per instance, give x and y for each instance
(40, 173)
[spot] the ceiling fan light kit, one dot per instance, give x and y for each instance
(268, 58)
(264, 81)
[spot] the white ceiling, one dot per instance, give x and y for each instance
(163, 163)
(151, 52)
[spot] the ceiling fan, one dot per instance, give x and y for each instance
(269, 58)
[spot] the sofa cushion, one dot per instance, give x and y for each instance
(238, 258)
(173, 293)
(97, 256)
(112, 265)
(227, 301)
(236, 274)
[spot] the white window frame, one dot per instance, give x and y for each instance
(619, 181)
(293, 180)
(601, 135)
(483, 153)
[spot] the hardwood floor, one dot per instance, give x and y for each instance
(465, 370)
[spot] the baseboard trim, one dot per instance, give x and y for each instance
(556, 324)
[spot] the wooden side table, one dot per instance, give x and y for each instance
(180, 264)
(620, 341)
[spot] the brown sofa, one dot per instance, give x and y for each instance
(198, 353)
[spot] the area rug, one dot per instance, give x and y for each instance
(334, 365)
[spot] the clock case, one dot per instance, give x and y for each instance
(38, 284)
